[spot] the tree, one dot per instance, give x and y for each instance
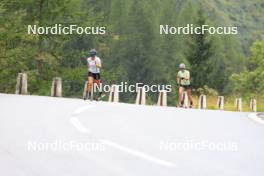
(200, 53)
(251, 81)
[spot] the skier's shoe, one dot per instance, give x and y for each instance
(191, 105)
(85, 96)
(181, 104)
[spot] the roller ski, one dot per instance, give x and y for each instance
(99, 98)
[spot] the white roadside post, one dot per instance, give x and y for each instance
(238, 104)
(85, 90)
(141, 96)
(21, 85)
(114, 94)
(56, 87)
(253, 105)
(202, 102)
(162, 100)
(220, 102)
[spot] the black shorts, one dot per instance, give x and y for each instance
(95, 76)
(186, 86)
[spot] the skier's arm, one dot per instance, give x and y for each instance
(187, 76)
(98, 64)
(178, 80)
(88, 66)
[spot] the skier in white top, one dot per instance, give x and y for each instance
(94, 64)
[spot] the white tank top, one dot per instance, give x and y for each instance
(91, 63)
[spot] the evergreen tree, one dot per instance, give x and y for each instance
(199, 54)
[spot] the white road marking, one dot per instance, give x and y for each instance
(254, 117)
(138, 153)
(75, 121)
(80, 110)
(77, 124)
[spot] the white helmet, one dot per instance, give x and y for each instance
(182, 66)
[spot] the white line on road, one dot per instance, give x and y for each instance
(138, 154)
(254, 117)
(80, 110)
(75, 121)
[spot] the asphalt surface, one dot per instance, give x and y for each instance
(261, 115)
(42, 136)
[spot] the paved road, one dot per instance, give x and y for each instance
(70, 137)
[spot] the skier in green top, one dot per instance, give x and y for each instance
(183, 81)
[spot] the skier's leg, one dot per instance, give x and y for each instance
(188, 90)
(98, 88)
(89, 85)
(98, 82)
(180, 96)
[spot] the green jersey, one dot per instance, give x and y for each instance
(184, 74)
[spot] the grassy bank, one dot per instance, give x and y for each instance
(229, 103)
